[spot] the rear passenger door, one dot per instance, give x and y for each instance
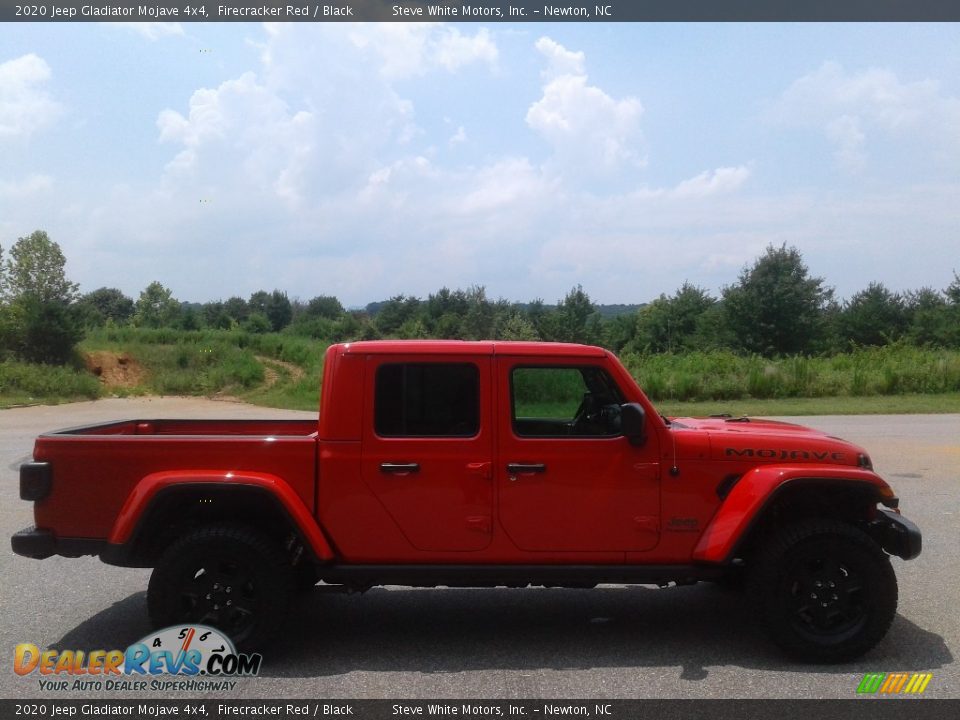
(427, 448)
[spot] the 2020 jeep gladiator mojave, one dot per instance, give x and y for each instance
(477, 464)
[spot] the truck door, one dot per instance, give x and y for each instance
(427, 447)
(568, 479)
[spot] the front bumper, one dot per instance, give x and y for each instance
(38, 544)
(897, 535)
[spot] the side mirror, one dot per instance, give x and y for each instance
(633, 421)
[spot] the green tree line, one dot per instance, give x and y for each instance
(775, 308)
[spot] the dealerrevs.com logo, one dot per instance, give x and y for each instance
(183, 658)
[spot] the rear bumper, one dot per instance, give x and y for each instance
(897, 535)
(38, 544)
(33, 543)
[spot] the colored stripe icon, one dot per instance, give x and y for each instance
(894, 683)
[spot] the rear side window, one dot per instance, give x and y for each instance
(427, 400)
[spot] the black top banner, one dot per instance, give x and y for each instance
(487, 11)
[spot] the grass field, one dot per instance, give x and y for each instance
(281, 370)
(23, 384)
(723, 375)
(877, 405)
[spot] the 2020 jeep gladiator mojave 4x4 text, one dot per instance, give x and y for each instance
(477, 464)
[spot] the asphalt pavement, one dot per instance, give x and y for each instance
(610, 642)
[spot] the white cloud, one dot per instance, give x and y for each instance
(509, 182)
(591, 133)
(708, 184)
(459, 136)
(712, 182)
(240, 132)
(560, 61)
(401, 47)
(150, 30)
(31, 185)
(25, 105)
(408, 50)
(854, 108)
(243, 135)
(221, 113)
(320, 116)
(845, 132)
(875, 93)
(453, 50)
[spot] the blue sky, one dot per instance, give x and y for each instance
(369, 160)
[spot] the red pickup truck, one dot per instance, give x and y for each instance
(477, 464)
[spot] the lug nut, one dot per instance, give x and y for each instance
(818, 584)
(813, 596)
(209, 596)
(217, 607)
(229, 602)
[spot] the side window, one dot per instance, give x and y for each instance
(427, 400)
(563, 401)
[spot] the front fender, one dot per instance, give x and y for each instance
(147, 489)
(756, 488)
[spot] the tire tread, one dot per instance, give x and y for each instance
(274, 562)
(764, 577)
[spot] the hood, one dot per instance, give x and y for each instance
(762, 441)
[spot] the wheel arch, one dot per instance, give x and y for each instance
(770, 495)
(166, 505)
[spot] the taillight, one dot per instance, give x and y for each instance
(36, 480)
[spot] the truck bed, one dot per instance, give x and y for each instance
(192, 428)
(95, 468)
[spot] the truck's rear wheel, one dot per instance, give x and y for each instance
(826, 591)
(231, 577)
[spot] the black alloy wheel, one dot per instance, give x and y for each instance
(230, 577)
(825, 591)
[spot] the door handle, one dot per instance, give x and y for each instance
(399, 468)
(525, 468)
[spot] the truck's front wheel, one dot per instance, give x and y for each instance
(826, 591)
(231, 577)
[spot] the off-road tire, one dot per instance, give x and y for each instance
(231, 577)
(825, 591)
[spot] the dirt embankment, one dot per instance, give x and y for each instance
(118, 370)
(115, 370)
